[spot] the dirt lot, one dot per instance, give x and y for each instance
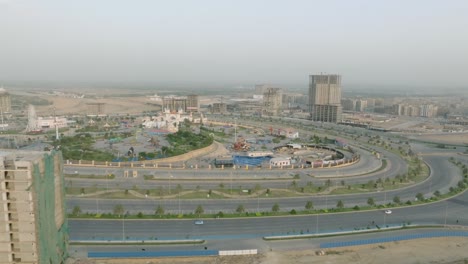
(435, 250)
(64, 105)
(455, 138)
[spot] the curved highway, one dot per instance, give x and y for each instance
(443, 176)
(450, 212)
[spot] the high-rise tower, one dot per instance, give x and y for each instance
(33, 226)
(193, 103)
(325, 98)
(272, 101)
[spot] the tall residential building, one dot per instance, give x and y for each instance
(428, 110)
(361, 105)
(193, 104)
(33, 226)
(219, 108)
(348, 104)
(325, 98)
(272, 102)
(5, 101)
(175, 103)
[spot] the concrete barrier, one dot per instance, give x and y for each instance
(238, 252)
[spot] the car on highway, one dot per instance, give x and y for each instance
(199, 222)
(388, 211)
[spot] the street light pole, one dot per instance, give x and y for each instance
(326, 202)
(258, 202)
(170, 178)
(446, 213)
(316, 224)
(107, 181)
(97, 205)
(123, 227)
(179, 201)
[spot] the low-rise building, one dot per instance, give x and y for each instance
(280, 162)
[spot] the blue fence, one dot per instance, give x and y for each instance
(153, 254)
(251, 161)
(394, 238)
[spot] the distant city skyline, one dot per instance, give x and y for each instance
(216, 43)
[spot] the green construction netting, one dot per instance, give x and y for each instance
(52, 233)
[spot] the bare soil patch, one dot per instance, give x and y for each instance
(455, 138)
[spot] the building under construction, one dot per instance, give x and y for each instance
(193, 103)
(5, 101)
(174, 104)
(33, 226)
(190, 103)
(272, 102)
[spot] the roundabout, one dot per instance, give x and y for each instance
(325, 216)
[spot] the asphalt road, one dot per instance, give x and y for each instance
(244, 243)
(445, 212)
(230, 233)
(443, 175)
(233, 178)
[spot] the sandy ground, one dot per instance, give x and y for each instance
(65, 105)
(455, 138)
(435, 250)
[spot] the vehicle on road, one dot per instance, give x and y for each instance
(199, 222)
(388, 211)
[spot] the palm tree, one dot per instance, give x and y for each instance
(76, 210)
(118, 210)
(370, 201)
(159, 211)
(240, 208)
(199, 210)
(178, 188)
(420, 196)
(309, 205)
(275, 208)
(339, 204)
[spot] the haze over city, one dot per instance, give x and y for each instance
(234, 132)
(221, 44)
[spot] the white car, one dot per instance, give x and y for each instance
(388, 211)
(199, 222)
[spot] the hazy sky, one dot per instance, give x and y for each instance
(407, 42)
